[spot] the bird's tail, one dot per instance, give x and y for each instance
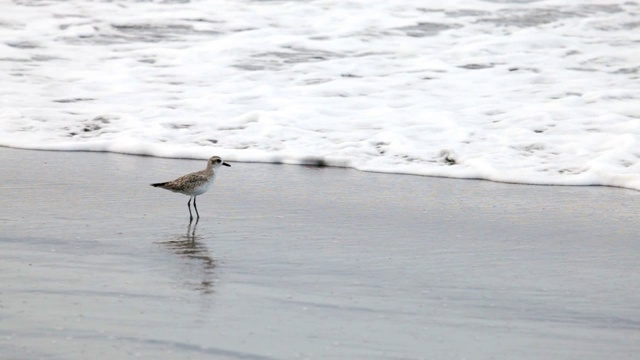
(159, 184)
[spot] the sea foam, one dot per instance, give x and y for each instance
(536, 92)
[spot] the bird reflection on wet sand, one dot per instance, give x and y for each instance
(190, 246)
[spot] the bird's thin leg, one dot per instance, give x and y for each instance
(195, 207)
(189, 206)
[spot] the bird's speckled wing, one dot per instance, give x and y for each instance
(188, 181)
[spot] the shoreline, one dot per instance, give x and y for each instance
(321, 163)
(315, 262)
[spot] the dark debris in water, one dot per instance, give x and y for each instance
(449, 161)
(315, 162)
(92, 127)
(448, 157)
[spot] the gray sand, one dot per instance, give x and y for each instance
(297, 262)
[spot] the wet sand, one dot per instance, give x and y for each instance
(300, 262)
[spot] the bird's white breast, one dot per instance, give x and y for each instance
(201, 189)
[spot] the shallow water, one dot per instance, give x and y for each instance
(308, 262)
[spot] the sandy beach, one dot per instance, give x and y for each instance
(304, 262)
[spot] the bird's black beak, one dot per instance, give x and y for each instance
(225, 164)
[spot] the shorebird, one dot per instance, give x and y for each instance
(194, 184)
